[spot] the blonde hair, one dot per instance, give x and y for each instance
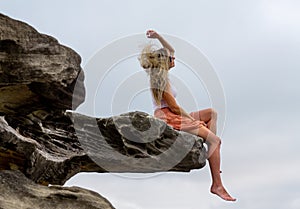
(156, 63)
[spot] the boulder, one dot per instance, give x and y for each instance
(36, 71)
(17, 191)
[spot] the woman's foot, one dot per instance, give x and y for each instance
(221, 192)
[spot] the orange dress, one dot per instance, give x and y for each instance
(178, 122)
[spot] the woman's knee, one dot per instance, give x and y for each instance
(213, 113)
(218, 140)
(214, 140)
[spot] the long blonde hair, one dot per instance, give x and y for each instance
(156, 63)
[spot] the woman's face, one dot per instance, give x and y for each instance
(171, 60)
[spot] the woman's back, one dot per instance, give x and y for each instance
(163, 102)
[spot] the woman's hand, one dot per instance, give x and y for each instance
(203, 123)
(152, 34)
(190, 117)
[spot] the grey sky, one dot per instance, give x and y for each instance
(254, 46)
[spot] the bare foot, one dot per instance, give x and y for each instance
(221, 192)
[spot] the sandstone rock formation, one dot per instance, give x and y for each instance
(17, 191)
(49, 144)
(36, 71)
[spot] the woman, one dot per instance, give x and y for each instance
(157, 63)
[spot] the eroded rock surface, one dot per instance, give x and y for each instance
(17, 191)
(36, 71)
(53, 149)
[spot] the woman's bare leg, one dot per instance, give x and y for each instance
(209, 116)
(214, 144)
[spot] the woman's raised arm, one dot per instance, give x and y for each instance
(154, 34)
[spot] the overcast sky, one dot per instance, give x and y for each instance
(254, 47)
